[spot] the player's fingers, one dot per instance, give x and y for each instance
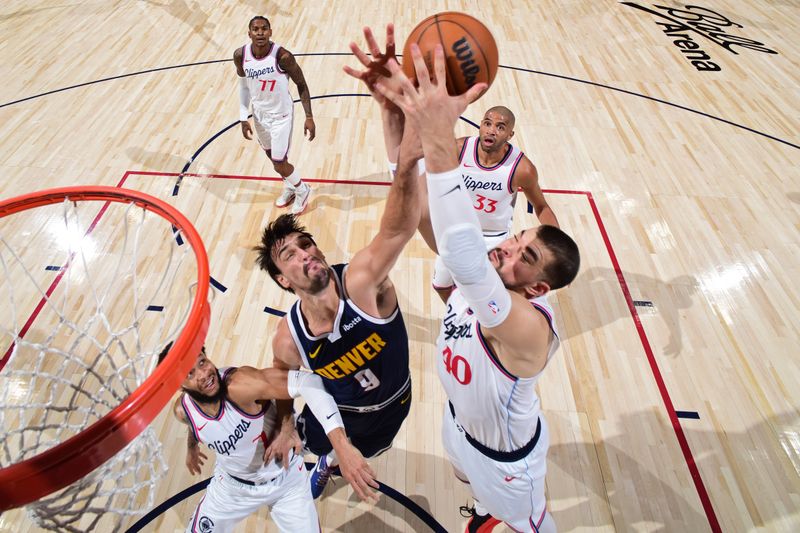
(363, 490)
(439, 66)
(398, 81)
(393, 96)
(390, 46)
(372, 44)
(475, 92)
(423, 76)
(360, 54)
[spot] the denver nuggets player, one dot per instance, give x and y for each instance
(263, 67)
(347, 326)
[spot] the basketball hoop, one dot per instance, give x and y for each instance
(98, 333)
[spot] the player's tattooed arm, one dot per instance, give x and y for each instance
(288, 64)
(238, 62)
(285, 439)
(195, 458)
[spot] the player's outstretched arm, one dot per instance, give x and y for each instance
(288, 64)
(369, 269)
(374, 67)
(272, 383)
(455, 226)
(195, 458)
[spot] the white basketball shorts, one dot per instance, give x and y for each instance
(227, 502)
(512, 492)
(274, 132)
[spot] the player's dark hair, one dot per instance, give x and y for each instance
(166, 349)
(272, 238)
(566, 257)
(258, 17)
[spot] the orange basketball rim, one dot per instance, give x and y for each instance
(65, 463)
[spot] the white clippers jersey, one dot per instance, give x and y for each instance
(495, 407)
(237, 437)
(490, 187)
(268, 84)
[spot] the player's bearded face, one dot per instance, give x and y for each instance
(303, 264)
(318, 275)
(207, 389)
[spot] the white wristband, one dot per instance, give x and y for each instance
(322, 404)
(244, 100)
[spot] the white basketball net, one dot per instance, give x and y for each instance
(125, 291)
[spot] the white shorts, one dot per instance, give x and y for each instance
(512, 492)
(227, 502)
(442, 279)
(274, 133)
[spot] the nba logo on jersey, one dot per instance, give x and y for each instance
(493, 307)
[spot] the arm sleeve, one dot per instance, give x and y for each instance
(463, 250)
(244, 100)
(322, 404)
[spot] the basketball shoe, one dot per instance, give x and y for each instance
(478, 523)
(301, 195)
(320, 475)
(286, 196)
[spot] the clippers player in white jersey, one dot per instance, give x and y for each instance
(230, 410)
(496, 337)
(264, 69)
(493, 171)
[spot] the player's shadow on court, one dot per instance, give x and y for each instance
(190, 15)
(347, 197)
(161, 162)
(668, 298)
(377, 518)
(638, 499)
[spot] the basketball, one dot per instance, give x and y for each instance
(470, 50)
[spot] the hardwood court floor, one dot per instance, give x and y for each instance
(682, 188)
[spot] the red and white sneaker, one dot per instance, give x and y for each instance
(286, 196)
(478, 523)
(301, 195)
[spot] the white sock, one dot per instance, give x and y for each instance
(479, 508)
(293, 179)
(332, 459)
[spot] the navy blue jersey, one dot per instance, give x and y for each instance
(364, 360)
